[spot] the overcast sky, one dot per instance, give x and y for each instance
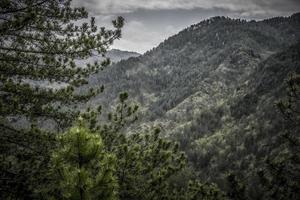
(149, 22)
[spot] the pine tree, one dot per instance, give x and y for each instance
(81, 168)
(39, 43)
(147, 163)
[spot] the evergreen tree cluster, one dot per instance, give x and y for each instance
(102, 162)
(39, 42)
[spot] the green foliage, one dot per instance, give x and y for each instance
(40, 42)
(145, 161)
(212, 88)
(81, 167)
(148, 163)
(125, 166)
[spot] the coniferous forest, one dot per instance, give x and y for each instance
(212, 112)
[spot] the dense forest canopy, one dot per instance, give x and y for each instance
(211, 113)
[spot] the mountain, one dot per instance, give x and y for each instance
(200, 64)
(212, 87)
(115, 55)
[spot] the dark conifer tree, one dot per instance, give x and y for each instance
(39, 43)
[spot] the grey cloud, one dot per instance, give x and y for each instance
(140, 37)
(127, 6)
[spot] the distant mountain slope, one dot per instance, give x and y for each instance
(201, 64)
(212, 87)
(115, 55)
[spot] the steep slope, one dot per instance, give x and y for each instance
(199, 66)
(212, 87)
(238, 134)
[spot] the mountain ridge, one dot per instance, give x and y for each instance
(212, 88)
(115, 55)
(149, 61)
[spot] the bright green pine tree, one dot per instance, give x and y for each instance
(82, 169)
(39, 41)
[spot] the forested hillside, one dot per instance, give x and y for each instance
(213, 87)
(211, 113)
(199, 65)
